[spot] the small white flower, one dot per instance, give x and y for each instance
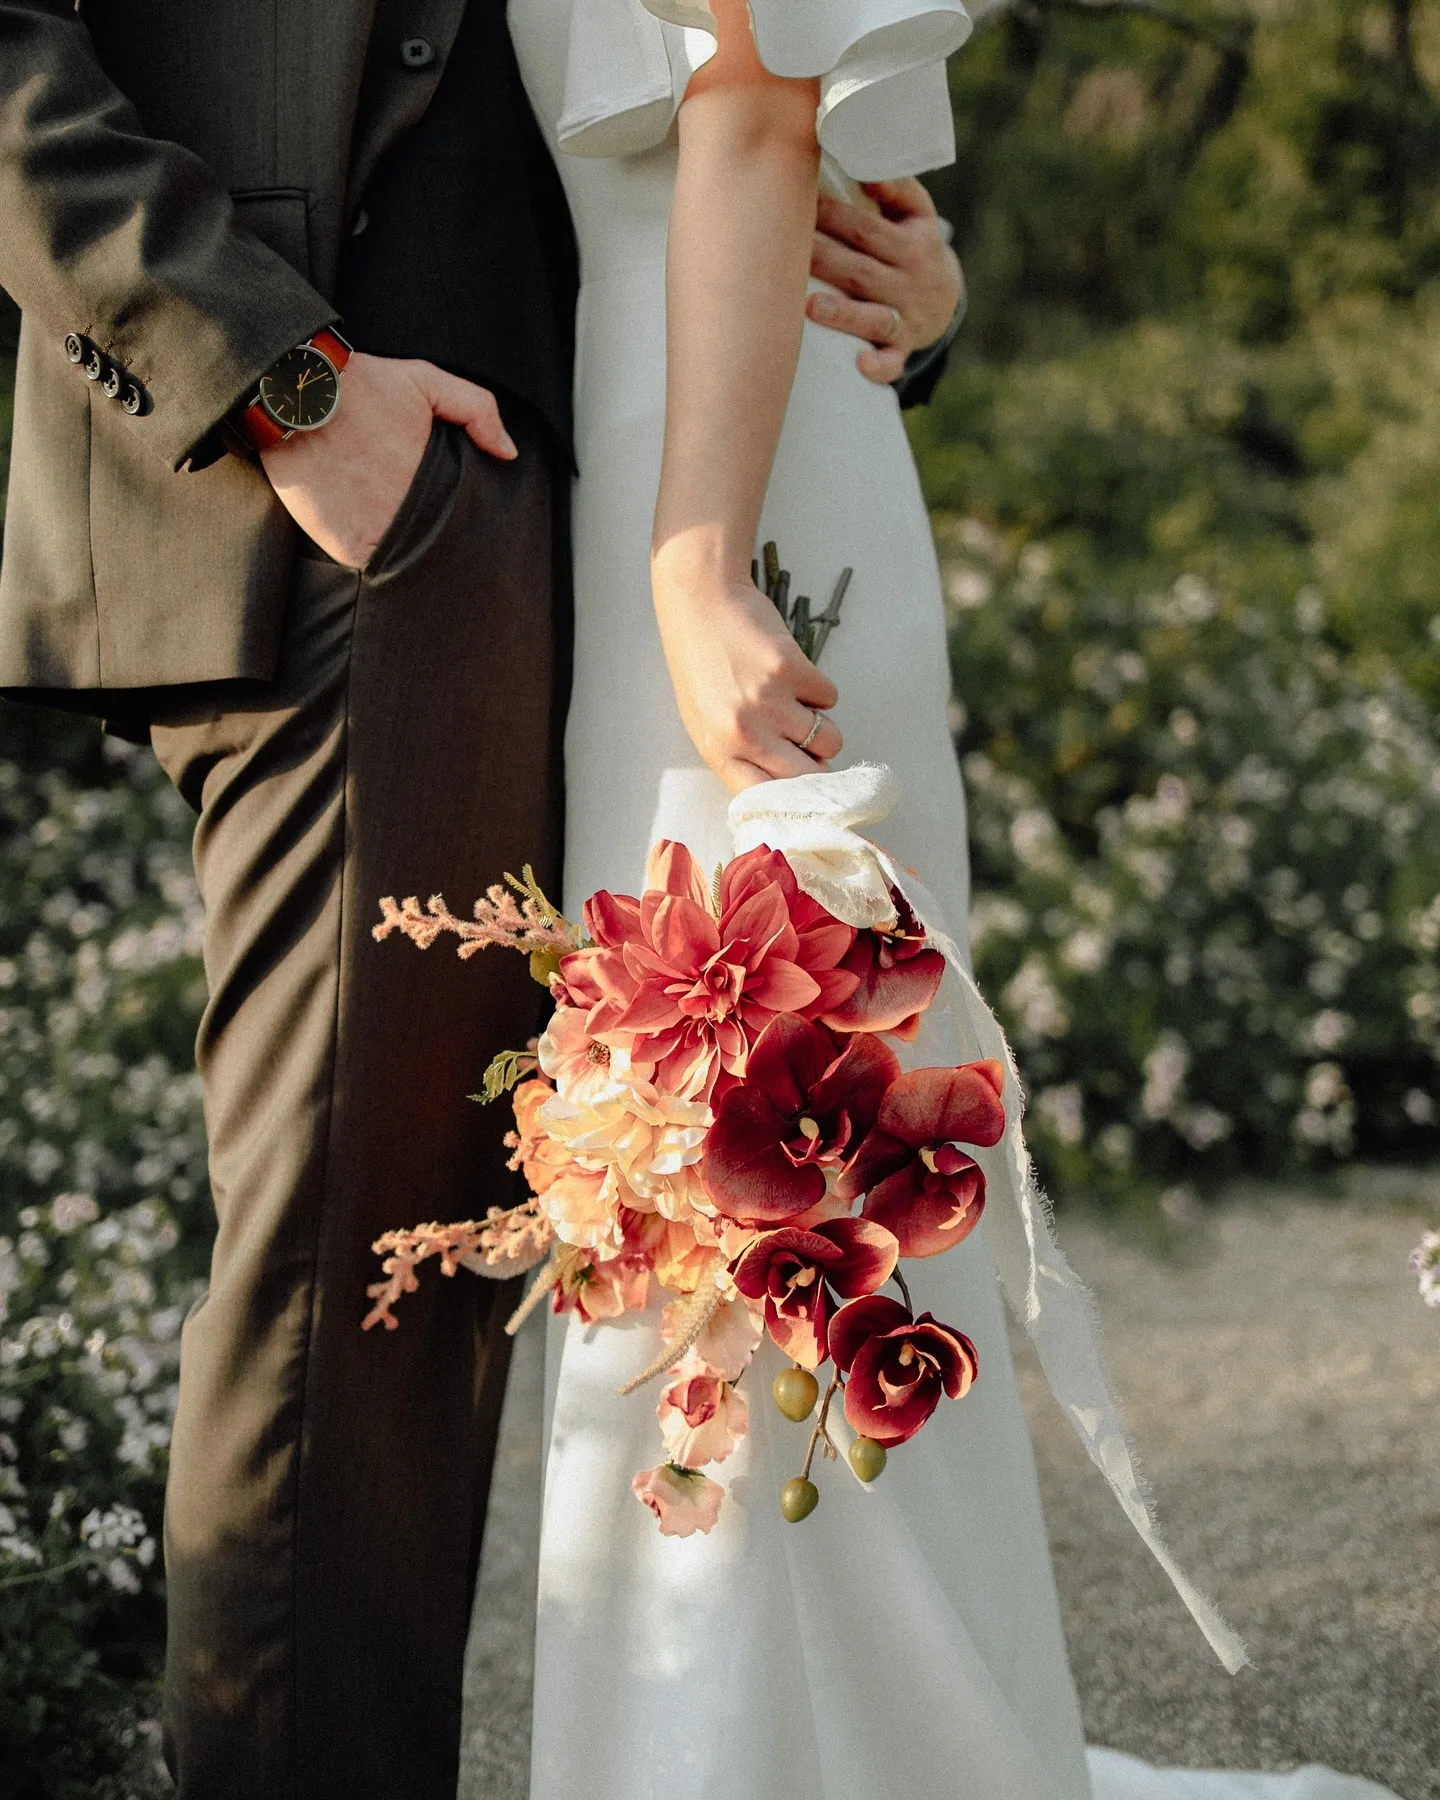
(1328, 1030)
(1034, 1002)
(67, 1211)
(1062, 1111)
(1165, 1069)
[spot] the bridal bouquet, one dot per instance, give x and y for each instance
(714, 1110)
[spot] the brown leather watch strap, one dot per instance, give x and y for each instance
(255, 425)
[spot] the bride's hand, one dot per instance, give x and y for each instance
(747, 694)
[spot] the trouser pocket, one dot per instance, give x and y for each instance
(425, 511)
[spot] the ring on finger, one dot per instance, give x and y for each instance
(897, 325)
(814, 731)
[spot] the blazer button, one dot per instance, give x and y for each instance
(361, 225)
(95, 363)
(111, 382)
(132, 399)
(75, 347)
(417, 53)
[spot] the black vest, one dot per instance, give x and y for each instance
(463, 252)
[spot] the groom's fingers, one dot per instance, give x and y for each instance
(464, 403)
(904, 199)
(881, 366)
(863, 319)
(854, 272)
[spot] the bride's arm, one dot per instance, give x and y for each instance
(741, 231)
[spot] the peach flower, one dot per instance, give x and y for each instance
(679, 1253)
(702, 1418)
(601, 1289)
(535, 1151)
(584, 1207)
(581, 1067)
(683, 1500)
(728, 1342)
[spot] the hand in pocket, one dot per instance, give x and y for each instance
(344, 484)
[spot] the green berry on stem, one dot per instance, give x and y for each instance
(867, 1458)
(795, 1392)
(798, 1499)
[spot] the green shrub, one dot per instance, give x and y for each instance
(104, 1224)
(1205, 277)
(1207, 873)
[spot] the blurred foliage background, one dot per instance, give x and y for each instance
(1183, 471)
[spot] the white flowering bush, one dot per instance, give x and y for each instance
(1425, 1261)
(1207, 874)
(104, 1224)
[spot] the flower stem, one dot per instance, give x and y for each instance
(820, 1431)
(899, 1281)
(539, 1288)
(52, 1573)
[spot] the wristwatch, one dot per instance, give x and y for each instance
(298, 392)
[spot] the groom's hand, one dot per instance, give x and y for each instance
(343, 484)
(899, 280)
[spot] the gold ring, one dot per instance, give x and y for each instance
(814, 731)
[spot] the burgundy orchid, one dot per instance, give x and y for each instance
(917, 1181)
(794, 1271)
(897, 978)
(804, 1105)
(678, 986)
(897, 1366)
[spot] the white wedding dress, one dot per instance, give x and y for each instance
(905, 1640)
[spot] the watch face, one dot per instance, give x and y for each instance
(302, 390)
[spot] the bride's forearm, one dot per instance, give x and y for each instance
(741, 226)
(741, 231)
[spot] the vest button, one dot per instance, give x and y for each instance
(417, 53)
(361, 225)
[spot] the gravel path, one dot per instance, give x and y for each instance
(1283, 1380)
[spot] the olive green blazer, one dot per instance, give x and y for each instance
(176, 179)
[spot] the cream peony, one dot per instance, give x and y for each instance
(651, 1141)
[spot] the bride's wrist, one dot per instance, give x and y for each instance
(695, 564)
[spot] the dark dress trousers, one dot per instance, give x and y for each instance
(186, 191)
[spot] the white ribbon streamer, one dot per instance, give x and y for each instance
(811, 821)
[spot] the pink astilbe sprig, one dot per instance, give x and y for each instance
(513, 913)
(506, 1242)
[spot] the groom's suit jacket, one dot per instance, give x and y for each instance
(177, 183)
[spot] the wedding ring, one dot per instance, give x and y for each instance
(897, 325)
(814, 731)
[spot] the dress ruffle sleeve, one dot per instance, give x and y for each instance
(884, 105)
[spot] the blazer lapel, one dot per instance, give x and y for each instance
(393, 96)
